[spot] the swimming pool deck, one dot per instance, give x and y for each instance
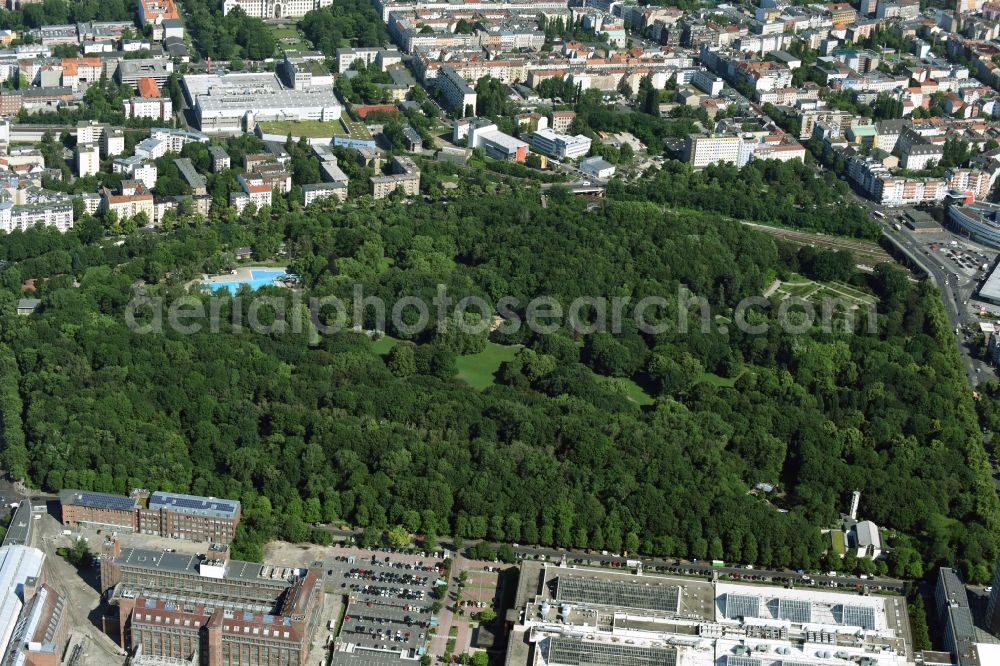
(241, 274)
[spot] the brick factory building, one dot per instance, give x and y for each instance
(171, 515)
(210, 610)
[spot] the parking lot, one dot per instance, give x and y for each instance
(962, 257)
(389, 608)
(480, 590)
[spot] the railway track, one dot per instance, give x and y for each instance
(867, 253)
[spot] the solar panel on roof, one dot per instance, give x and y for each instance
(742, 605)
(101, 500)
(663, 598)
(795, 610)
(194, 504)
(857, 616)
(733, 660)
(575, 652)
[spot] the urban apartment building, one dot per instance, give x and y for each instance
(208, 609)
(458, 94)
(701, 151)
(149, 103)
(381, 58)
(134, 199)
(88, 159)
(255, 191)
(316, 191)
(53, 212)
(220, 158)
(171, 515)
(156, 11)
(405, 176)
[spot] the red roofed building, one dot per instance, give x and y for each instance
(134, 199)
(148, 88)
(156, 11)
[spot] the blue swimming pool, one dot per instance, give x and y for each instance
(258, 278)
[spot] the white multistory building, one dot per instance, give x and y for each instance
(56, 213)
(88, 159)
(561, 146)
(275, 9)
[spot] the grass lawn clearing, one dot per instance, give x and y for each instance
(716, 380)
(384, 345)
(631, 390)
(837, 541)
(477, 370)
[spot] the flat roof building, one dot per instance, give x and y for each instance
(238, 101)
(405, 176)
(481, 133)
(979, 221)
(20, 528)
(458, 94)
(955, 617)
(33, 626)
(560, 146)
(566, 616)
(211, 609)
(157, 69)
(598, 167)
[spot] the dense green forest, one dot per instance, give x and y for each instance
(552, 452)
(62, 12)
(347, 23)
(230, 36)
(784, 193)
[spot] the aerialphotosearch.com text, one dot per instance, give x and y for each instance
(269, 314)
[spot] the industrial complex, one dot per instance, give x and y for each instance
(171, 515)
(570, 617)
(209, 609)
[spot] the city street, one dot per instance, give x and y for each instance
(674, 565)
(956, 289)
